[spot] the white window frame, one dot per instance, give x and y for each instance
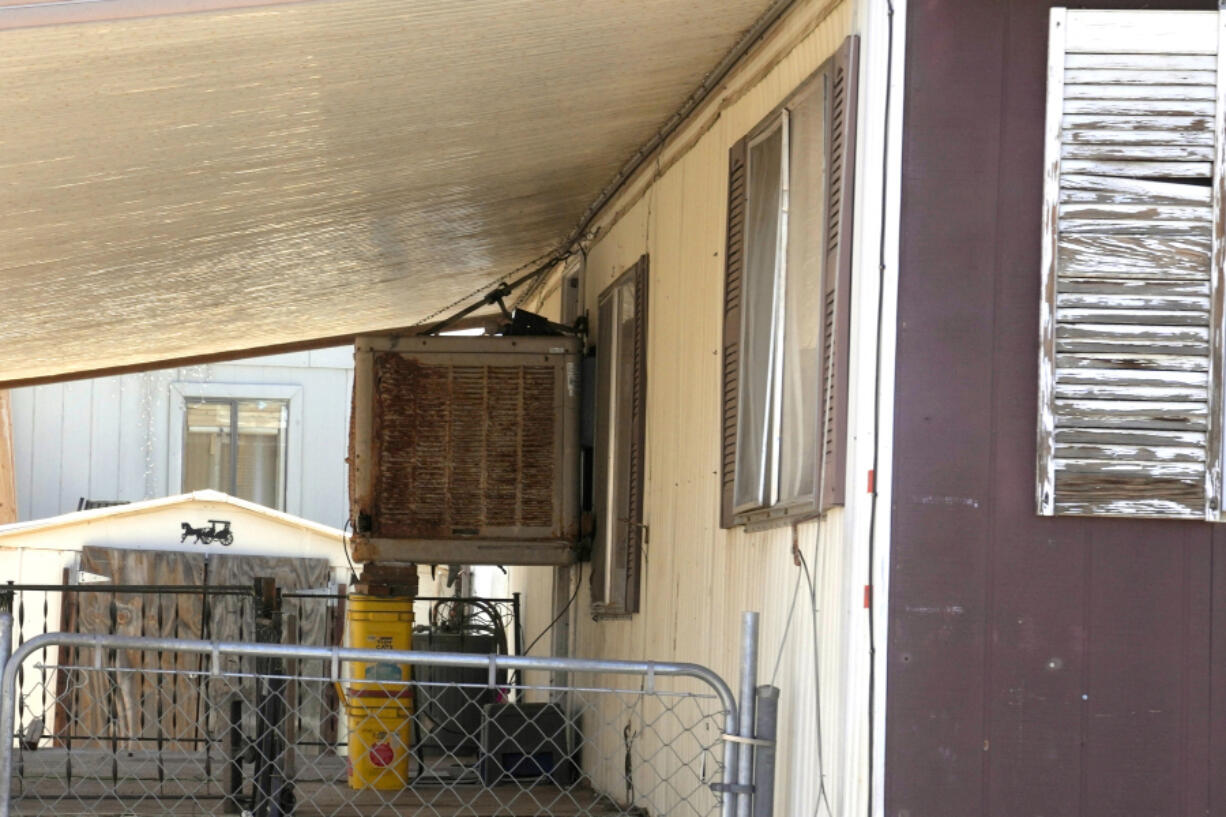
(291, 395)
(769, 461)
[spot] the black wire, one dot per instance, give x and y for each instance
(353, 573)
(872, 515)
(501, 290)
(558, 617)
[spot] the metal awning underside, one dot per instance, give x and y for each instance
(187, 177)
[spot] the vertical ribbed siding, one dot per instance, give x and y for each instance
(698, 578)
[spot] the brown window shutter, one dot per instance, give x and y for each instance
(621, 435)
(734, 258)
(638, 439)
(836, 295)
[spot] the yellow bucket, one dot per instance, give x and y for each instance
(380, 742)
(380, 623)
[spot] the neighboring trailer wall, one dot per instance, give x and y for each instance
(110, 438)
(1066, 666)
(696, 577)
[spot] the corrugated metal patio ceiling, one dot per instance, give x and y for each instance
(230, 177)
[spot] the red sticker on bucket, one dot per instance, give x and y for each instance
(381, 754)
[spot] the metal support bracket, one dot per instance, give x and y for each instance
(749, 741)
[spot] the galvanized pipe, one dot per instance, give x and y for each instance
(749, 686)
(765, 730)
(216, 649)
(6, 713)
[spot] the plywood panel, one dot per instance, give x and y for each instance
(8, 467)
(21, 402)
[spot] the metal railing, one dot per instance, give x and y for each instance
(207, 612)
(633, 737)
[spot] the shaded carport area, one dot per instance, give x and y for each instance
(192, 180)
(196, 179)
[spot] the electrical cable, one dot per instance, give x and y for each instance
(872, 516)
(787, 628)
(353, 572)
(501, 289)
(822, 795)
(558, 617)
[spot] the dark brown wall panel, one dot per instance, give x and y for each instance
(1037, 666)
(935, 719)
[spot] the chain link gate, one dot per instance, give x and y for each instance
(285, 731)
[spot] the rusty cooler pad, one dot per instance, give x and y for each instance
(465, 449)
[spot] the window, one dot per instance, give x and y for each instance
(244, 439)
(237, 447)
(787, 303)
(621, 392)
(1130, 329)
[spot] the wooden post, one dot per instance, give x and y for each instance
(289, 758)
(328, 726)
(8, 477)
(68, 624)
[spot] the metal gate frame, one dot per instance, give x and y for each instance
(742, 744)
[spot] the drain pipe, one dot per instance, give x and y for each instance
(764, 750)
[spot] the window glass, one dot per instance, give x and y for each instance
(618, 325)
(802, 404)
(206, 455)
(254, 469)
(608, 441)
(261, 452)
(761, 305)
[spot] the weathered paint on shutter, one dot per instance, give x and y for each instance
(638, 440)
(1130, 319)
(734, 266)
(836, 284)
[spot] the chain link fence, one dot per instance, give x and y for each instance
(114, 727)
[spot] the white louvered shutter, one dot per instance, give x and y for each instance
(1131, 333)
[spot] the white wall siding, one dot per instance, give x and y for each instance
(697, 578)
(110, 437)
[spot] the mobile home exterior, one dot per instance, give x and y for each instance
(907, 220)
(808, 574)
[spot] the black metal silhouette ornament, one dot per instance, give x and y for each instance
(207, 536)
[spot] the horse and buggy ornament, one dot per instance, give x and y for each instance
(217, 531)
